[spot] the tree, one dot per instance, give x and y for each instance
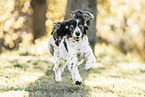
(1, 43)
(85, 5)
(39, 18)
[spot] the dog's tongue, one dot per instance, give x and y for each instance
(77, 38)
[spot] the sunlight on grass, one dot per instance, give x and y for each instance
(28, 72)
(119, 75)
(20, 68)
(102, 85)
(14, 94)
(13, 82)
(111, 54)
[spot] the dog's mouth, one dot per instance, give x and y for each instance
(76, 39)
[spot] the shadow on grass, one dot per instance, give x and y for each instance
(46, 86)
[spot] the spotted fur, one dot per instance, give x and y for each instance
(68, 44)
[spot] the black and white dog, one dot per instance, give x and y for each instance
(68, 44)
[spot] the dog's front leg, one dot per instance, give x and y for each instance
(57, 71)
(90, 59)
(73, 68)
(58, 65)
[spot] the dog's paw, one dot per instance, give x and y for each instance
(78, 83)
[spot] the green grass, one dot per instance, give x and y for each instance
(28, 72)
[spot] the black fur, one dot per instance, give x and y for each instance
(83, 14)
(65, 44)
(67, 27)
(68, 44)
(78, 83)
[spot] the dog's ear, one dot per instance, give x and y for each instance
(78, 14)
(60, 29)
(55, 30)
(87, 16)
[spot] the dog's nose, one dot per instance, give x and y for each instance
(77, 33)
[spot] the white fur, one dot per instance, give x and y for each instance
(77, 29)
(70, 58)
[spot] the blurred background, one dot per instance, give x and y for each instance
(119, 23)
(117, 36)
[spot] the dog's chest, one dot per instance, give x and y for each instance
(72, 48)
(75, 46)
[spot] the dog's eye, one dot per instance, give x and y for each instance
(81, 27)
(71, 27)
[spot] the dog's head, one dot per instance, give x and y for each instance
(77, 29)
(74, 28)
(87, 16)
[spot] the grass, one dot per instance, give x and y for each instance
(28, 72)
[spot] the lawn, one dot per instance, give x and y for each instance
(27, 72)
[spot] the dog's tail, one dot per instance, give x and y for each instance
(51, 46)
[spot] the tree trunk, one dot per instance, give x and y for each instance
(1, 44)
(85, 5)
(39, 18)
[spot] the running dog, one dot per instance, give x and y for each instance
(68, 44)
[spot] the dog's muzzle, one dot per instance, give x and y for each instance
(77, 36)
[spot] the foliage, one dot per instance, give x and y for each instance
(16, 21)
(13, 15)
(55, 13)
(121, 23)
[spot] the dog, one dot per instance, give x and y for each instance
(68, 45)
